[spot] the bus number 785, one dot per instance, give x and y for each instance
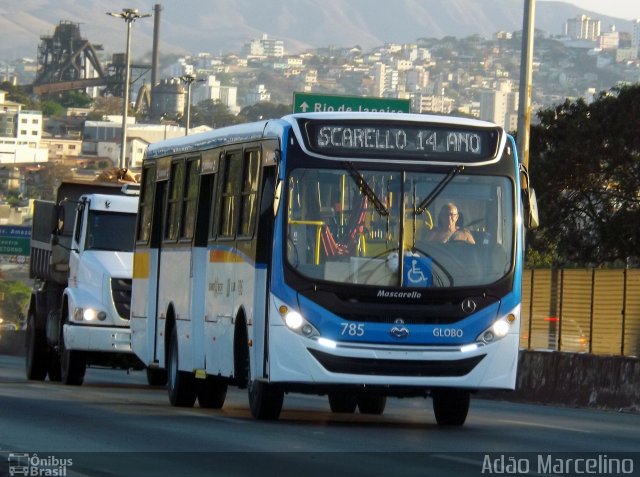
(352, 329)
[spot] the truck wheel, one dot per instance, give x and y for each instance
(181, 385)
(451, 406)
(212, 392)
(37, 351)
(55, 372)
(372, 404)
(342, 403)
(156, 376)
(73, 365)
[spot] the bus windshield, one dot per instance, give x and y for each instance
(399, 228)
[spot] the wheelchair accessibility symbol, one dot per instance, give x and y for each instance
(417, 271)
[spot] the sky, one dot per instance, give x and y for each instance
(626, 9)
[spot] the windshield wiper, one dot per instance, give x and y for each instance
(438, 189)
(366, 188)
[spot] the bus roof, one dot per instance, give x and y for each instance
(406, 117)
(275, 127)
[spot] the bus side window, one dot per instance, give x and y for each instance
(146, 205)
(175, 201)
(232, 181)
(210, 185)
(249, 194)
(190, 199)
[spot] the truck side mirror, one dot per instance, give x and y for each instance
(60, 221)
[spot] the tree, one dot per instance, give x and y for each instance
(105, 106)
(19, 95)
(75, 99)
(212, 113)
(265, 110)
(13, 199)
(51, 108)
(16, 296)
(585, 166)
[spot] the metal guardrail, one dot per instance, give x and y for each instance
(581, 310)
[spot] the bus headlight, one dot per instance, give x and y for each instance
(498, 330)
(293, 320)
(297, 323)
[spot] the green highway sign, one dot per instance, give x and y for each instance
(16, 231)
(14, 246)
(313, 103)
(15, 240)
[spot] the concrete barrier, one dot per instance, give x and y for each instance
(576, 380)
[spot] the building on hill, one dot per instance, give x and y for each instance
(20, 134)
(582, 27)
(264, 47)
(500, 106)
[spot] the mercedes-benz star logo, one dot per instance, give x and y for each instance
(469, 306)
(399, 332)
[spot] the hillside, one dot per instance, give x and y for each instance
(191, 26)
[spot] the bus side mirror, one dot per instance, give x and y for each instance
(277, 193)
(530, 209)
(276, 196)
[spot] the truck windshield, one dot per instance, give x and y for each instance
(463, 237)
(111, 231)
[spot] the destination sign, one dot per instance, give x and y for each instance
(418, 140)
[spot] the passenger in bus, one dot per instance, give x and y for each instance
(447, 228)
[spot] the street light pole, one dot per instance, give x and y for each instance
(129, 15)
(524, 107)
(188, 80)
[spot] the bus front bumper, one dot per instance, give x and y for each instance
(294, 359)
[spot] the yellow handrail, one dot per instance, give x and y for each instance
(319, 224)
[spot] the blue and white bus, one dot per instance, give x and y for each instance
(309, 254)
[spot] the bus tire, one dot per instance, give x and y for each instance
(451, 406)
(372, 404)
(342, 403)
(265, 400)
(36, 352)
(212, 392)
(180, 384)
(156, 377)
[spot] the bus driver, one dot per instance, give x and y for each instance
(447, 230)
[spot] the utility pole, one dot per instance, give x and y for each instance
(129, 15)
(188, 80)
(526, 58)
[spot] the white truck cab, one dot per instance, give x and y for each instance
(80, 305)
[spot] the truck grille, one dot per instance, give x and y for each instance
(121, 293)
